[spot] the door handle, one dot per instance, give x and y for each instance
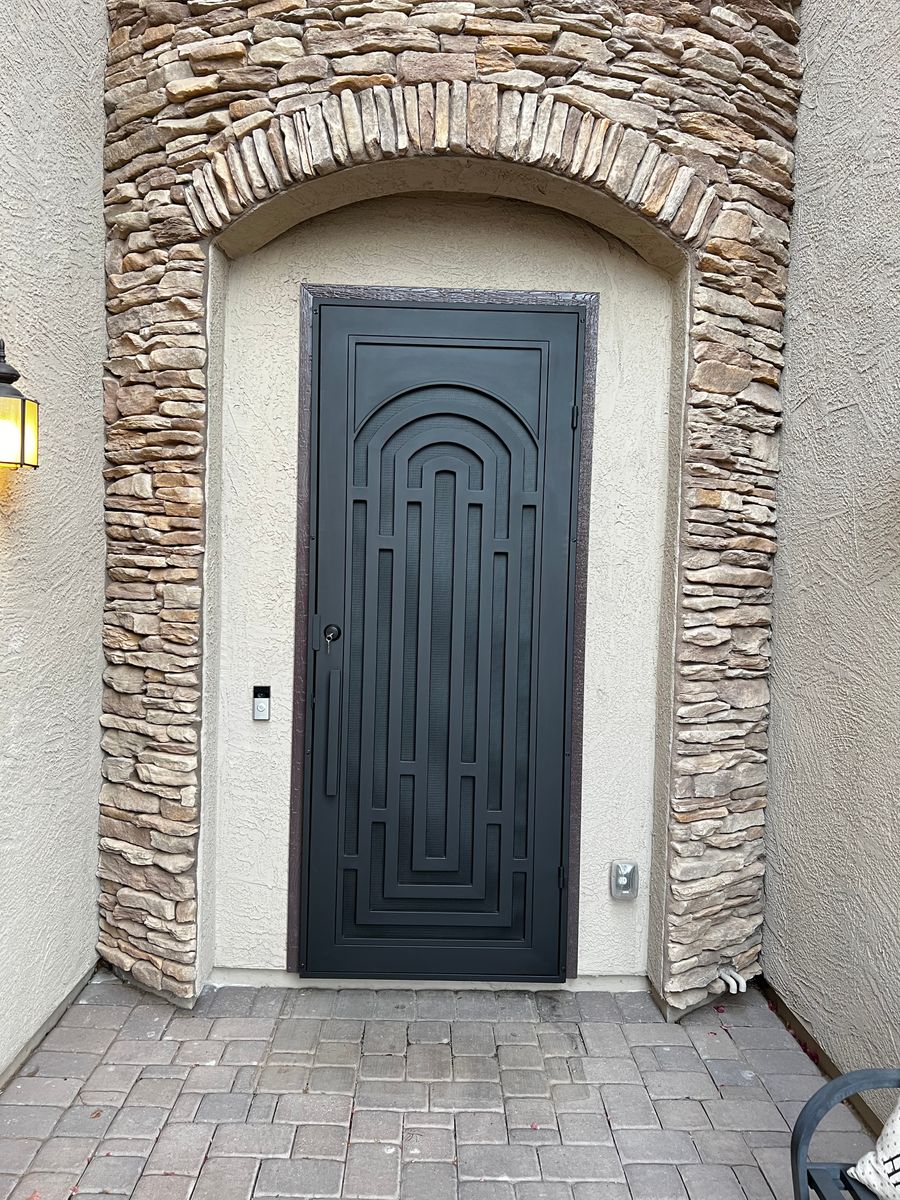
(333, 733)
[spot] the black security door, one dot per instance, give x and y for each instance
(442, 523)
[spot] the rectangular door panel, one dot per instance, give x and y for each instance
(441, 552)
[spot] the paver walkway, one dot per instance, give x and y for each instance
(426, 1095)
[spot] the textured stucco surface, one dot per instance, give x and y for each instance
(832, 939)
(51, 520)
(434, 241)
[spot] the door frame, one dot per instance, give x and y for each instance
(589, 304)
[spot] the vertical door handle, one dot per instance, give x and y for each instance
(333, 733)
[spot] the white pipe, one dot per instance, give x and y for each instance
(734, 981)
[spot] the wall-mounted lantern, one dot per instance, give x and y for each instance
(18, 420)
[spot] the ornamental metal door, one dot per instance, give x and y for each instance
(442, 538)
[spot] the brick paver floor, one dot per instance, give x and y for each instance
(421, 1095)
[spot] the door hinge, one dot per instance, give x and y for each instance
(574, 416)
(562, 878)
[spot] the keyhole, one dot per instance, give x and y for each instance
(331, 633)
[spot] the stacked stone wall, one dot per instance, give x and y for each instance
(683, 112)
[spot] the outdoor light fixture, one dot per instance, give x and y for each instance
(18, 420)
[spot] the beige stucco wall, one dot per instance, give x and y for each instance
(450, 242)
(51, 520)
(832, 939)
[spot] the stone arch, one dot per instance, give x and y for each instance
(458, 121)
(711, 192)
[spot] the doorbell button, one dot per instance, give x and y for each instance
(262, 703)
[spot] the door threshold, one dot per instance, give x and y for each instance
(252, 977)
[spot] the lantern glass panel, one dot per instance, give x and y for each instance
(30, 440)
(11, 431)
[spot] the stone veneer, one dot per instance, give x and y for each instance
(681, 111)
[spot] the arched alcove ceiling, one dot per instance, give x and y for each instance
(467, 176)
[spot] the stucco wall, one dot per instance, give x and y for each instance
(51, 520)
(832, 941)
(418, 241)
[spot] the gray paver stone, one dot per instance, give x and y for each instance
(576, 1097)
(605, 1070)
(226, 1179)
(333, 1079)
(705, 1182)
(312, 1002)
(211, 1079)
(44, 1092)
(384, 1037)
(723, 1147)
(81, 1120)
(200, 1053)
(505, 1163)
(374, 1126)
(17, 1153)
(486, 1190)
(584, 1129)
(604, 1041)
(639, 1007)
(56, 1185)
(247, 1141)
(435, 1004)
(655, 1146)
(523, 1113)
(473, 1068)
(138, 1053)
(118, 1173)
(545, 1190)
(714, 1043)
(731, 1072)
(774, 1162)
(753, 1183)
(557, 1006)
(428, 1062)
(373, 1170)
(742, 1115)
(283, 1078)
(163, 1187)
(466, 1097)
(391, 1094)
(427, 1144)
(319, 1109)
(629, 1107)
(57, 1154)
(476, 1006)
(653, 1181)
(382, 1066)
(472, 1037)
(138, 1121)
(355, 1002)
(680, 1085)
(320, 1141)
(519, 1057)
(428, 1181)
(581, 1163)
(648, 1034)
(307, 1177)
(337, 1054)
(481, 1128)
(180, 1150)
(224, 1106)
(296, 1035)
(601, 1191)
(681, 1114)
(27, 1120)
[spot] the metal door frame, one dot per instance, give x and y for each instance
(298, 842)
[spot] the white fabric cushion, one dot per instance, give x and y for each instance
(879, 1171)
